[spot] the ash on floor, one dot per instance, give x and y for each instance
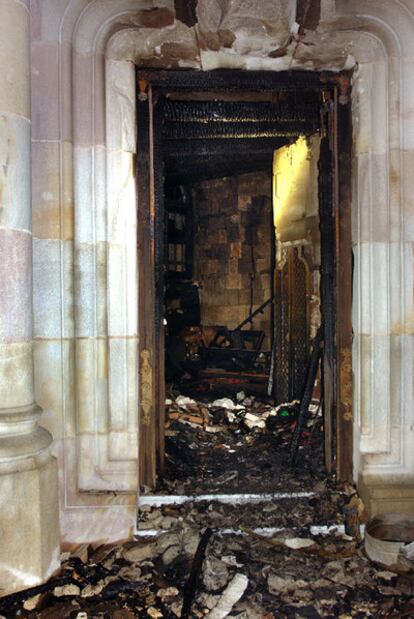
(296, 572)
(253, 557)
(238, 445)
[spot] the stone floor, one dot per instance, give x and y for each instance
(237, 532)
(262, 560)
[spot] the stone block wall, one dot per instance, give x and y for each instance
(232, 249)
(82, 52)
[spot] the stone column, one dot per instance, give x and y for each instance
(29, 531)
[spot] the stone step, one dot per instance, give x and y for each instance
(281, 511)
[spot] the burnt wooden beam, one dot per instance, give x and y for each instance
(219, 163)
(242, 111)
(198, 159)
(230, 79)
(233, 130)
(218, 160)
(202, 171)
(187, 149)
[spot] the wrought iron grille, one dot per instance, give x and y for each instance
(291, 325)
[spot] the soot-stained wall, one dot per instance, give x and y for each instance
(233, 237)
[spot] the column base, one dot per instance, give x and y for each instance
(29, 521)
(380, 496)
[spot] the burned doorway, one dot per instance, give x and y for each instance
(201, 136)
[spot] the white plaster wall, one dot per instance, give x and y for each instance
(295, 189)
(85, 228)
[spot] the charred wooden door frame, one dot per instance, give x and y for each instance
(148, 349)
(150, 84)
(328, 301)
(344, 273)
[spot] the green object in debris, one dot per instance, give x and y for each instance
(284, 413)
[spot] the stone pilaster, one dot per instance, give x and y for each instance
(29, 531)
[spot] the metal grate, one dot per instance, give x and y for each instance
(299, 341)
(282, 334)
(291, 325)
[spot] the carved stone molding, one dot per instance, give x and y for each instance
(99, 40)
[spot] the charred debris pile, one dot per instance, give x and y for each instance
(239, 444)
(246, 561)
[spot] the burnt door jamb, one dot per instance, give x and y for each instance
(327, 228)
(150, 281)
(338, 356)
(158, 170)
(344, 277)
(336, 276)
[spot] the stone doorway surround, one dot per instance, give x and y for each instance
(84, 226)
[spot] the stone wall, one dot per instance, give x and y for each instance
(29, 525)
(83, 55)
(234, 231)
(82, 84)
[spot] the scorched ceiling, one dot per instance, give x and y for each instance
(217, 135)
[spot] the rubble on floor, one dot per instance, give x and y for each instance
(323, 507)
(252, 566)
(239, 533)
(238, 445)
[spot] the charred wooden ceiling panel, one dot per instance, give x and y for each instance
(219, 163)
(241, 111)
(242, 147)
(234, 130)
(198, 159)
(214, 138)
(232, 80)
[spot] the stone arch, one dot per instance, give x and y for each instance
(99, 41)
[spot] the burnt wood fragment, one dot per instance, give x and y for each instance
(327, 228)
(193, 580)
(307, 394)
(7, 600)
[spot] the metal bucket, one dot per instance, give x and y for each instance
(387, 537)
